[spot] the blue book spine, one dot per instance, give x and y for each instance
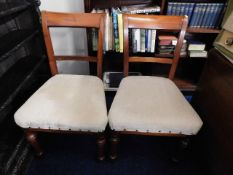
(211, 14)
(207, 11)
(173, 8)
(115, 29)
(169, 8)
(202, 13)
(146, 40)
(198, 15)
(186, 8)
(195, 15)
(221, 15)
(190, 10)
(182, 8)
(217, 15)
(178, 5)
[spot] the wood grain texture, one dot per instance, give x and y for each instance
(158, 22)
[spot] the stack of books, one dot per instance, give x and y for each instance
(141, 39)
(201, 15)
(197, 49)
(167, 44)
(183, 51)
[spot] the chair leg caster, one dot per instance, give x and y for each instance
(32, 139)
(101, 142)
(114, 140)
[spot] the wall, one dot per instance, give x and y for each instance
(68, 41)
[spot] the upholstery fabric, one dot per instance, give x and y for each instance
(66, 102)
(152, 104)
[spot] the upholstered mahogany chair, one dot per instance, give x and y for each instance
(67, 103)
(146, 105)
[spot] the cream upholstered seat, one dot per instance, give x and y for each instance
(152, 104)
(66, 102)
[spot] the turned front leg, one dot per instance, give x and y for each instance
(32, 139)
(114, 140)
(101, 142)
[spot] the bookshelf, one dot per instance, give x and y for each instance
(202, 30)
(23, 68)
(189, 69)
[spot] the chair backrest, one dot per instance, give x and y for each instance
(169, 23)
(74, 20)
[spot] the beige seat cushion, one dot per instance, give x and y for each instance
(66, 102)
(152, 104)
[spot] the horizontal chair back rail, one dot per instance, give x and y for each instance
(154, 22)
(73, 20)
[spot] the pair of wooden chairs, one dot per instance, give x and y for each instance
(143, 105)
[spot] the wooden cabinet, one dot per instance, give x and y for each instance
(189, 69)
(214, 100)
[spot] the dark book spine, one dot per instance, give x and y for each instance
(169, 8)
(194, 15)
(204, 21)
(115, 30)
(190, 11)
(146, 40)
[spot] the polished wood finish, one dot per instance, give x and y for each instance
(150, 133)
(101, 143)
(151, 60)
(114, 140)
(81, 20)
(52, 19)
(175, 23)
(185, 85)
(202, 30)
(33, 140)
(80, 58)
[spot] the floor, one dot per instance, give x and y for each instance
(138, 155)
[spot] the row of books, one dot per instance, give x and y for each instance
(201, 15)
(142, 40)
(113, 39)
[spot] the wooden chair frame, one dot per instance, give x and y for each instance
(78, 20)
(169, 23)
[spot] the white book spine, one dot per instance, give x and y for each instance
(153, 38)
(137, 38)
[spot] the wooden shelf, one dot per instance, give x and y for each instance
(185, 85)
(202, 30)
(11, 8)
(13, 40)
